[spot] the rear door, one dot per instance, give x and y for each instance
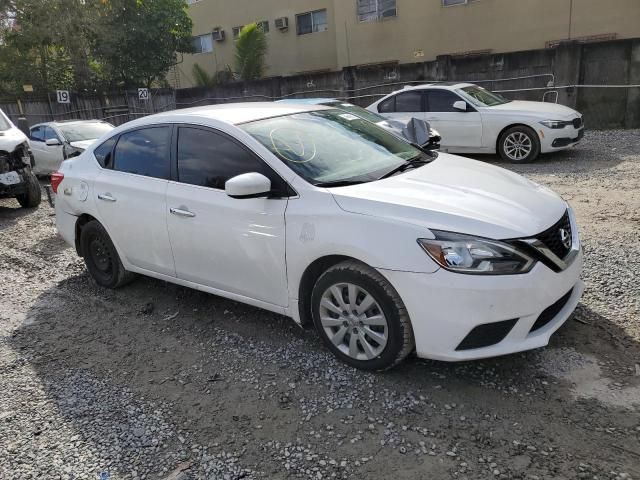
(130, 193)
(459, 130)
(404, 106)
(234, 245)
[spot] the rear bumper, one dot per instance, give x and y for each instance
(446, 307)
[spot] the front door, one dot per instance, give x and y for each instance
(47, 157)
(130, 193)
(460, 131)
(233, 245)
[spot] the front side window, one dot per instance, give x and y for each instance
(49, 133)
(312, 22)
(481, 97)
(209, 159)
(144, 152)
(84, 131)
(203, 43)
(371, 10)
(37, 134)
(441, 101)
(332, 146)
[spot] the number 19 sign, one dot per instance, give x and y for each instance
(63, 96)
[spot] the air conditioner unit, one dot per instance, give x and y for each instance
(282, 23)
(218, 35)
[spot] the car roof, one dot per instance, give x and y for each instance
(67, 122)
(231, 113)
(308, 101)
(445, 85)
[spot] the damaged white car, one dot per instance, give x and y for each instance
(16, 177)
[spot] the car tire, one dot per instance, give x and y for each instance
(101, 257)
(519, 144)
(377, 337)
(33, 196)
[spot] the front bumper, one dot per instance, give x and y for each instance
(446, 307)
(552, 140)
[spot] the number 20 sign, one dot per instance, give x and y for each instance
(63, 96)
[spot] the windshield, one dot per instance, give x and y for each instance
(76, 132)
(356, 110)
(332, 146)
(5, 124)
(482, 97)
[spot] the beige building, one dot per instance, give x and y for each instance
(326, 35)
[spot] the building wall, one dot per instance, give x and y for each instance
(288, 53)
(421, 31)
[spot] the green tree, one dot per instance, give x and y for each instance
(136, 40)
(201, 78)
(251, 49)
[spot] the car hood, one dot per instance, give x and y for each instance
(551, 111)
(11, 138)
(82, 144)
(459, 195)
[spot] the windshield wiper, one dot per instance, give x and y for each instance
(339, 183)
(415, 162)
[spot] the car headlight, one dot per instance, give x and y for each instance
(554, 124)
(472, 255)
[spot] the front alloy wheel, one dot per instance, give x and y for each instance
(360, 317)
(519, 145)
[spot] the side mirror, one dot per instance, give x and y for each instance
(460, 105)
(248, 185)
(52, 142)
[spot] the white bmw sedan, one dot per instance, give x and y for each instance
(471, 119)
(319, 215)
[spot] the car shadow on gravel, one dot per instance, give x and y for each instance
(245, 378)
(11, 212)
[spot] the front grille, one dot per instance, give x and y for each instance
(577, 122)
(554, 238)
(550, 313)
(486, 335)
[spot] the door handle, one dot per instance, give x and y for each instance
(181, 212)
(106, 197)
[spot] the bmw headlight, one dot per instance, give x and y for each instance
(554, 124)
(473, 255)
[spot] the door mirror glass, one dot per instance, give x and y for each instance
(248, 185)
(52, 142)
(460, 105)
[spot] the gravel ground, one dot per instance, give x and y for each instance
(156, 381)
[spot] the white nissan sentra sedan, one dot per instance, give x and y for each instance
(320, 215)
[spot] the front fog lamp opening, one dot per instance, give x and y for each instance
(464, 254)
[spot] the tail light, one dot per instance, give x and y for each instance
(56, 180)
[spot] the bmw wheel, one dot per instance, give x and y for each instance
(519, 144)
(361, 318)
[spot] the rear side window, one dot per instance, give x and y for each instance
(442, 101)
(388, 106)
(104, 153)
(144, 152)
(209, 159)
(409, 102)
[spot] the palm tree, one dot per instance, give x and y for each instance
(251, 48)
(201, 78)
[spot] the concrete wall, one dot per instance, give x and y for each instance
(421, 31)
(538, 74)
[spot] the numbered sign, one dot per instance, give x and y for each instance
(63, 96)
(143, 94)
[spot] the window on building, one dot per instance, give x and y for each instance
(236, 31)
(203, 43)
(189, 2)
(144, 152)
(312, 22)
(449, 3)
(370, 10)
(264, 26)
